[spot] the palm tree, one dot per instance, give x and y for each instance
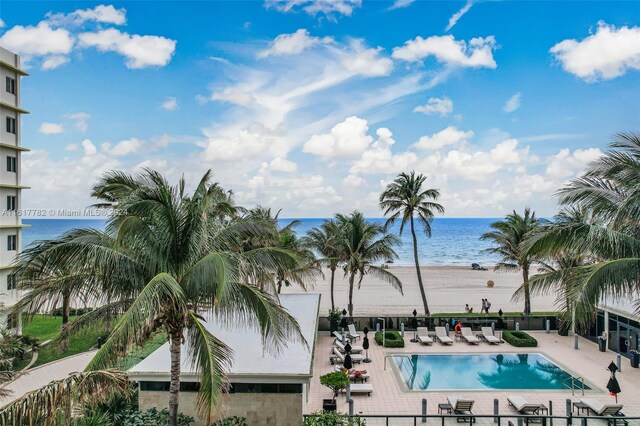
(610, 190)
(364, 243)
(508, 236)
(406, 198)
(165, 259)
(325, 240)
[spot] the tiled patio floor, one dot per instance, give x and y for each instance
(389, 398)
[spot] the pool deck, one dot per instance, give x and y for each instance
(388, 396)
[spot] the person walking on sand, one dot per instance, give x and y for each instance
(487, 305)
(484, 306)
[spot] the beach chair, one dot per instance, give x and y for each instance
(423, 335)
(468, 335)
(339, 357)
(487, 334)
(352, 374)
(354, 349)
(359, 388)
(340, 336)
(441, 335)
(353, 334)
(462, 406)
(522, 406)
(600, 408)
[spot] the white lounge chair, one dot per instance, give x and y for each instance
(462, 406)
(600, 408)
(354, 349)
(468, 335)
(352, 376)
(487, 333)
(522, 405)
(423, 336)
(340, 336)
(356, 388)
(441, 335)
(353, 334)
(339, 357)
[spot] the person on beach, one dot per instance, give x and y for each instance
(466, 308)
(484, 306)
(487, 305)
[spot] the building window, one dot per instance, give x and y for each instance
(11, 282)
(12, 164)
(12, 242)
(11, 125)
(11, 85)
(11, 203)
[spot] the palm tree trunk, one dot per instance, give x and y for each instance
(66, 299)
(527, 296)
(174, 386)
(415, 257)
(333, 276)
(351, 279)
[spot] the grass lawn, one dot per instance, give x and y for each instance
(141, 352)
(492, 314)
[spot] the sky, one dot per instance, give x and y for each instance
(313, 106)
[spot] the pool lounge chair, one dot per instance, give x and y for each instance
(352, 375)
(423, 335)
(354, 349)
(341, 337)
(602, 409)
(462, 406)
(441, 335)
(487, 334)
(468, 335)
(338, 357)
(353, 334)
(522, 406)
(357, 388)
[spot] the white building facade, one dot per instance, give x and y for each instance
(10, 178)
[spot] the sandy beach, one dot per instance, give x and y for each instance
(448, 289)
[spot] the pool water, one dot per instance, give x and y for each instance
(481, 372)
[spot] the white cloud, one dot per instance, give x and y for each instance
(459, 14)
(72, 147)
(450, 136)
(566, 164)
(348, 139)
(607, 54)
(442, 106)
(53, 62)
(353, 181)
(201, 100)
(230, 144)
(365, 61)
(279, 164)
(88, 147)
(140, 51)
(2, 24)
(293, 44)
(51, 128)
(478, 53)
(39, 41)
(102, 14)
(400, 4)
(314, 7)
(122, 148)
(81, 120)
(378, 158)
(513, 103)
(170, 104)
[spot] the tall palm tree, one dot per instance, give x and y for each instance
(166, 258)
(610, 190)
(508, 236)
(325, 240)
(406, 198)
(363, 244)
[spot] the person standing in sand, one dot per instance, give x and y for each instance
(487, 305)
(484, 306)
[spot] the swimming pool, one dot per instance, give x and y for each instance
(480, 372)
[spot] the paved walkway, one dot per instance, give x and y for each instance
(43, 375)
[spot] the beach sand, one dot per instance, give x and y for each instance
(448, 288)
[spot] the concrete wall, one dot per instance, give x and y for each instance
(260, 409)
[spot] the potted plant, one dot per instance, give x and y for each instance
(336, 381)
(334, 317)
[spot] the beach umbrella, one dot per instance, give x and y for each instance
(612, 385)
(365, 345)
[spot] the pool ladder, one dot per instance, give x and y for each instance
(573, 380)
(392, 356)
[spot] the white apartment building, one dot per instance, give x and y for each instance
(10, 177)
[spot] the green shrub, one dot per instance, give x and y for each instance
(331, 418)
(336, 381)
(153, 417)
(519, 339)
(392, 339)
(232, 421)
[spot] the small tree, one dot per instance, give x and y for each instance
(335, 381)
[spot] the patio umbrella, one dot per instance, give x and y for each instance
(348, 363)
(612, 385)
(365, 345)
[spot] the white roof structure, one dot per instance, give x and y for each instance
(250, 361)
(622, 306)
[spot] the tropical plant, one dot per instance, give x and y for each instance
(331, 418)
(325, 239)
(508, 236)
(392, 339)
(406, 199)
(610, 190)
(232, 421)
(167, 259)
(336, 381)
(364, 243)
(53, 403)
(519, 339)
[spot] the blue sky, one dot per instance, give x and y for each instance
(313, 105)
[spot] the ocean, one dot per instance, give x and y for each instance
(454, 242)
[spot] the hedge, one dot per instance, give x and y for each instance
(331, 418)
(392, 339)
(519, 339)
